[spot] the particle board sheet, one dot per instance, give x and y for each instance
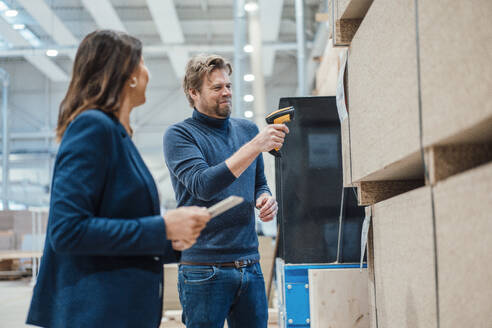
(345, 139)
(350, 9)
(404, 261)
(327, 73)
(463, 205)
(171, 296)
(338, 298)
(456, 56)
(266, 248)
(384, 121)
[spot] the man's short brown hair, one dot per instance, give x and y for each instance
(200, 66)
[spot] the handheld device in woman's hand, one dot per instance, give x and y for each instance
(224, 205)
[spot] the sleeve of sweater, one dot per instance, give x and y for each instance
(261, 185)
(185, 161)
(78, 181)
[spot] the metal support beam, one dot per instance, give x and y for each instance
(301, 48)
(158, 50)
(42, 63)
(239, 56)
(104, 14)
(50, 22)
(4, 76)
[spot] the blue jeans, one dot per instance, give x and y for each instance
(210, 295)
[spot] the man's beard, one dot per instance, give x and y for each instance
(223, 111)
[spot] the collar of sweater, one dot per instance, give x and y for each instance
(217, 123)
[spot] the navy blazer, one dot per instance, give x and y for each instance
(106, 243)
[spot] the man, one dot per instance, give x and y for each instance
(211, 156)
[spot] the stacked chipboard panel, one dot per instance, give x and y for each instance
(417, 145)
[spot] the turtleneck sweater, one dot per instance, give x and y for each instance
(195, 151)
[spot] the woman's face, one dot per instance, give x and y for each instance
(142, 76)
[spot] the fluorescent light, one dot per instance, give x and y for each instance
(3, 6)
(19, 26)
(249, 77)
(251, 6)
(248, 48)
(51, 53)
(248, 98)
(11, 13)
(248, 114)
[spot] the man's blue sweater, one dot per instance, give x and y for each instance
(195, 151)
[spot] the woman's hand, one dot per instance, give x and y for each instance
(184, 224)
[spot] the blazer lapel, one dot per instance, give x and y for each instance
(143, 170)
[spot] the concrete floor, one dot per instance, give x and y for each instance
(15, 297)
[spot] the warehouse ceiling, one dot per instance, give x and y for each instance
(171, 32)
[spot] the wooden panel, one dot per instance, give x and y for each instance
(338, 298)
(171, 296)
(456, 52)
(327, 73)
(455, 81)
(463, 206)
(371, 276)
(404, 261)
(346, 156)
(266, 249)
(354, 8)
(345, 30)
(384, 122)
(445, 161)
(372, 192)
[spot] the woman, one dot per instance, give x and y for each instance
(106, 242)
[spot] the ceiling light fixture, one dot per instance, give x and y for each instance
(11, 13)
(51, 53)
(248, 114)
(19, 26)
(249, 77)
(3, 6)
(248, 98)
(248, 48)
(251, 6)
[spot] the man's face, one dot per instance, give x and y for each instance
(214, 98)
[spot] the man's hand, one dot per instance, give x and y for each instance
(271, 137)
(268, 207)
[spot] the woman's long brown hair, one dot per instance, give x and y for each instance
(103, 64)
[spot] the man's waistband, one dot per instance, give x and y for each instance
(236, 264)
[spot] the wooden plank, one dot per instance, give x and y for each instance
(355, 9)
(445, 161)
(338, 298)
(13, 275)
(404, 261)
(18, 254)
(372, 192)
(171, 296)
(463, 207)
(322, 17)
(455, 89)
(6, 265)
(345, 30)
(456, 74)
(327, 72)
(371, 276)
(346, 156)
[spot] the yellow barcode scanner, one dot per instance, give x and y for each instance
(280, 116)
